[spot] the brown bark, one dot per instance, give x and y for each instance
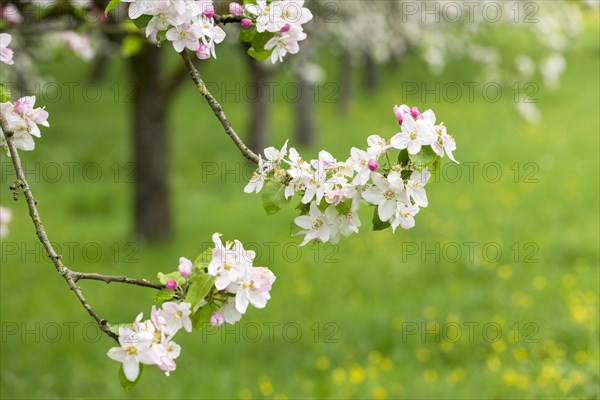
(152, 211)
(259, 98)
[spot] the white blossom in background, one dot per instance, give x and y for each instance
(441, 31)
(6, 54)
(78, 43)
(5, 218)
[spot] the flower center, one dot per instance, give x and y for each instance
(177, 315)
(131, 350)
(317, 224)
(227, 266)
(413, 135)
(389, 195)
(248, 285)
(183, 34)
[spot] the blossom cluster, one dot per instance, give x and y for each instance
(284, 19)
(191, 24)
(216, 288)
(331, 191)
(150, 342)
(23, 119)
(186, 24)
(235, 276)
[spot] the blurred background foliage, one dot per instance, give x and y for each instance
(375, 317)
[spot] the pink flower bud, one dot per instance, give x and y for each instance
(398, 114)
(171, 284)
(414, 112)
(236, 9)
(286, 28)
(216, 319)
(246, 23)
(203, 52)
(373, 165)
(185, 267)
(209, 11)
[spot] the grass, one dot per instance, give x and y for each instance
(514, 315)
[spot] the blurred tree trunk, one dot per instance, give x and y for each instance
(305, 112)
(150, 148)
(345, 82)
(258, 97)
(371, 74)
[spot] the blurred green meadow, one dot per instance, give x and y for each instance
(494, 293)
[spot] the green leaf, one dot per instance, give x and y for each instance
(273, 197)
(5, 94)
(161, 36)
(403, 157)
(126, 383)
(111, 5)
(114, 328)
(201, 317)
(378, 224)
(131, 45)
(423, 159)
(304, 208)
(203, 259)
(323, 205)
(164, 295)
(434, 169)
(258, 46)
(142, 21)
(199, 287)
(176, 276)
(261, 55)
(246, 35)
(344, 208)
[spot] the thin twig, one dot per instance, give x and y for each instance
(71, 277)
(118, 279)
(217, 109)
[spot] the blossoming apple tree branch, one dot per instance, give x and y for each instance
(218, 285)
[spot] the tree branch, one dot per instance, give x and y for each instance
(71, 277)
(112, 278)
(217, 109)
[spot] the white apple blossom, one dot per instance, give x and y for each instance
(6, 54)
(230, 313)
(414, 135)
(316, 225)
(177, 316)
(253, 288)
(386, 194)
(258, 178)
(184, 36)
(284, 43)
(229, 263)
(23, 120)
(404, 216)
(134, 349)
(415, 187)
